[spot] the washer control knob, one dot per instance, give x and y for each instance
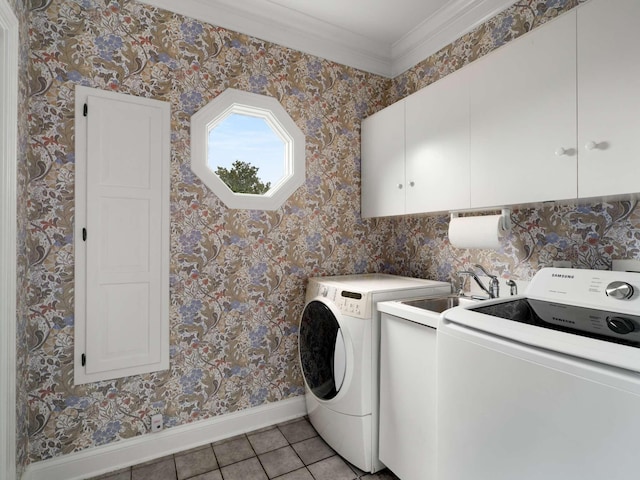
(619, 290)
(620, 325)
(324, 291)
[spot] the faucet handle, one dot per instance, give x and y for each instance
(484, 270)
(462, 281)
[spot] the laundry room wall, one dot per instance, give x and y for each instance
(237, 277)
(22, 261)
(587, 236)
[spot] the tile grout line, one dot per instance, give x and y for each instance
(256, 456)
(305, 466)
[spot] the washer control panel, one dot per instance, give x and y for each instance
(349, 302)
(600, 289)
(353, 304)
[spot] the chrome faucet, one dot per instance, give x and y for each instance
(494, 286)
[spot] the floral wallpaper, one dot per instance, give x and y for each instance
(507, 25)
(238, 277)
(588, 236)
(22, 264)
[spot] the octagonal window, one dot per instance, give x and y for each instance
(247, 150)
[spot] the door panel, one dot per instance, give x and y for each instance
(523, 111)
(122, 252)
(382, 163)
(437, 150)
(608, 97)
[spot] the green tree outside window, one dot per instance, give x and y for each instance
(242, 177)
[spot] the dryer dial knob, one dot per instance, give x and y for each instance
(619, 290)
(620, 325)
(324, 291)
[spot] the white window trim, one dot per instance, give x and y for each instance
(261, 106)
(80, 375)
(8, 219)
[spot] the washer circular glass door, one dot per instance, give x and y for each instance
(322, 350)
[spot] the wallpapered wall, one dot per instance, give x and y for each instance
(238, 277)
(507, 25)
(22, 281)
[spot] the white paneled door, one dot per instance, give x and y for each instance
(122, 236)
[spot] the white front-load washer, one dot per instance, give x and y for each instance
(339, 342)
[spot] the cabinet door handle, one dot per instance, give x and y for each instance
(591, 145)
(412, 184)
(400, 186)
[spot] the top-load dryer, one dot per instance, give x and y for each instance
(339, 353)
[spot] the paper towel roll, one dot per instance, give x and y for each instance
(476, 232)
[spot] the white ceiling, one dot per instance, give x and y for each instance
(386, 21)
(385, 37)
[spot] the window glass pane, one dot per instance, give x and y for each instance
(246, 153)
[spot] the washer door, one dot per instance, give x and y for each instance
(322, 350)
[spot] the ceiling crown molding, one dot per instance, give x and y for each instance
(277, 24)
(288, 28)
(448, 24)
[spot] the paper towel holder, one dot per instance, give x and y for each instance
(505, 221)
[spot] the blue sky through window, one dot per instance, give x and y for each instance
(248, 139)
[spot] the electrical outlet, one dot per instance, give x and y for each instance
(156, 422)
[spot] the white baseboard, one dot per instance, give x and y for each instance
(99, 460)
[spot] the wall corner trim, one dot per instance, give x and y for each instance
(125, 453)
(9, 59)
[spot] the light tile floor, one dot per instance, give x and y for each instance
(288, 451)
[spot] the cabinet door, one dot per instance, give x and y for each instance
(523, 112)
(408, 398)
(437, 146)
(382, 167)
(122, 254)
(608, 97)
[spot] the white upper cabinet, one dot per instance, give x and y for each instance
(437, 146)
(608, 98)
(523, 119)
(382, 166)
(553, 115)
(415, 153)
